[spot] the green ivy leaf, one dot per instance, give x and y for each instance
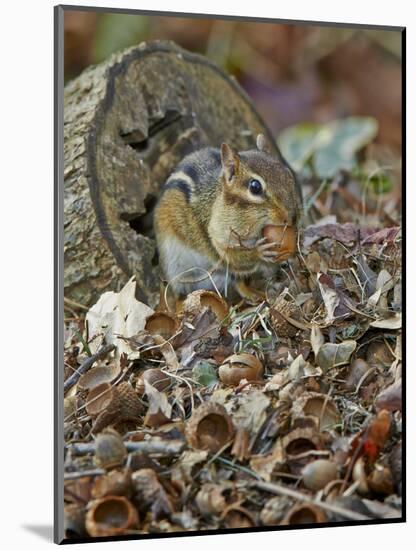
(328, 148)
(204, 374)
(344, 139)
(298, 143)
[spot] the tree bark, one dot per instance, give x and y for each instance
(127, 123)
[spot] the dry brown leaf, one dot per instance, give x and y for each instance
(160, 410)
(330, 296)
(251, 412)
(390, 323)
(264, 465)
(334, 355)
(391, 397)
(317, 338)
(116, 314)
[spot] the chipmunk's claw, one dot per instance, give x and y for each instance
(267, 251)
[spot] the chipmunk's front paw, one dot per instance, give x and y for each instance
(251, 295)
(268, 252)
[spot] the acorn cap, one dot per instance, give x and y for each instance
(304, 514)
(197, 300)
(130, 406)
(318, 406)
(281, 309)
(124, 405)
(163, 323)
(98, 375)
(209, 428)
(236, 516)
(111, 516)
(99, 398)
(301, 440)
(155, 377)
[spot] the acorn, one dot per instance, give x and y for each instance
(238, 367)
(381, 480)
(155, 377)
(304, 514)
(163, 323)
(285, 237)
(111, 516)
(317, 474)
(197, 300)
(209, 428)
(110, 450)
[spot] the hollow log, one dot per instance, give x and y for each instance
(127, 124)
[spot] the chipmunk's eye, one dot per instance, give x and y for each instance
(255, 187)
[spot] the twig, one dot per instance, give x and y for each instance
(363, 378)
(313, 197)
(86, 473)
(171, 447)
(87, 364)
(295, 323)
(76, 305)
(276, 489)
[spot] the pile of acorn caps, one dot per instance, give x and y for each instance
(121, 496)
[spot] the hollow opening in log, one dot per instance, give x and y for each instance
(143, 223)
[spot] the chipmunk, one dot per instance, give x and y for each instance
(211, 214)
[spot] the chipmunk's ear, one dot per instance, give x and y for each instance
(262, 144)
(230, 162)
